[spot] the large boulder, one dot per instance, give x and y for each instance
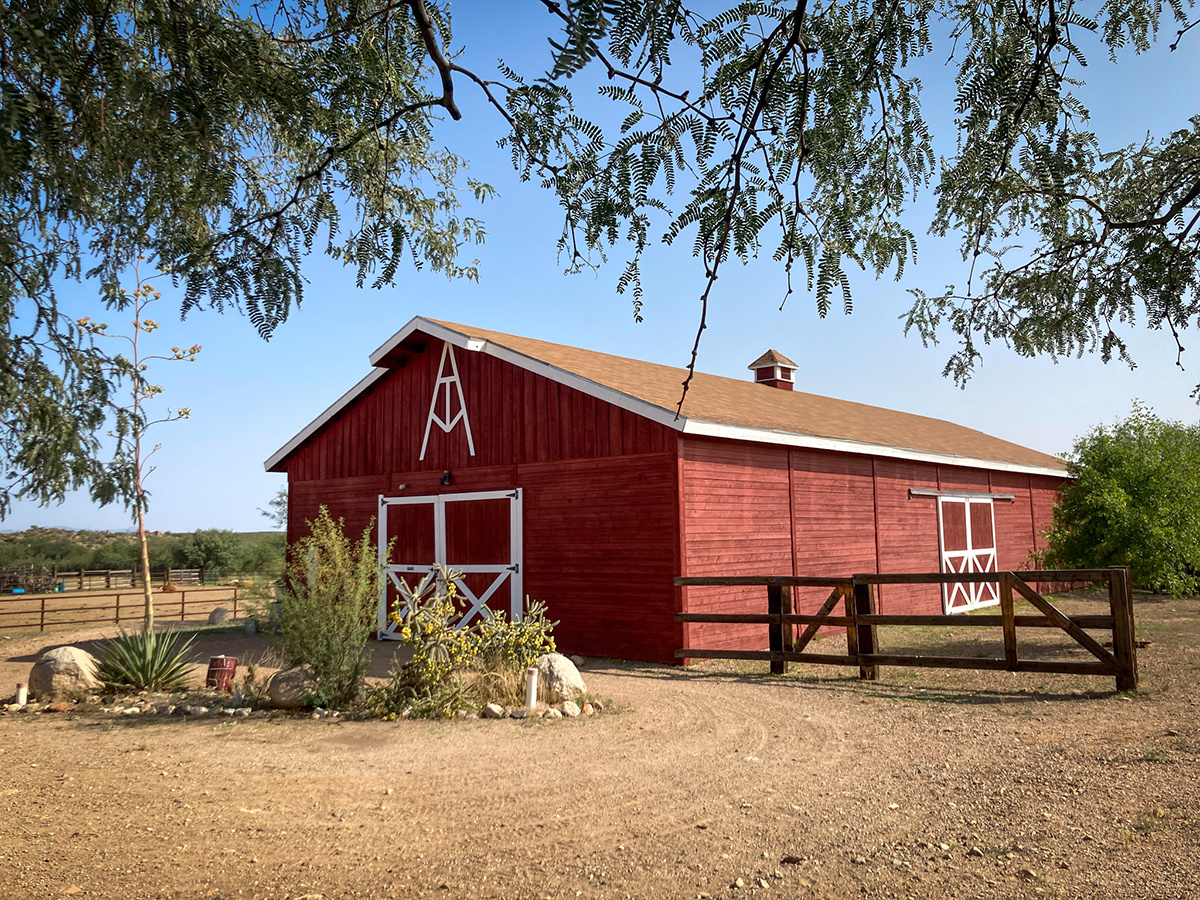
(559, 677)
(218, 616)
(64, 672)
(288, 687)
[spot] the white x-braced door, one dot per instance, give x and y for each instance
(967, 535)
(476, 533)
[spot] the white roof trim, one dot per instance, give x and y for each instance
(816, 442)
(624, 401)
(315, 425)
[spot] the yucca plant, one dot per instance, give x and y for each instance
(146, 660)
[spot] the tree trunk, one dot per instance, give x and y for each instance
(147, 594)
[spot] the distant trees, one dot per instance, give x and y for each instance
(1135, 501)
(216, 550)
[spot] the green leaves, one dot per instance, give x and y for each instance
(1133, 502)
(146, 661)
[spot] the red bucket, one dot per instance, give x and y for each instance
(221, 670)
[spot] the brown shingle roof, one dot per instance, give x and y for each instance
(772, 358)
(729, 401)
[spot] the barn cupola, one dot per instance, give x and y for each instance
(774, 370)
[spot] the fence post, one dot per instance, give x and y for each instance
(775, 628)
(117, 614)
(1010, 623)
(182, 605)
(865, 635)
(1120, 600)
(42, 624)
(235, 592)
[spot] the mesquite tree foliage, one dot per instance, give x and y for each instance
(226, 142)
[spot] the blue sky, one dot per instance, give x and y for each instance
(248, 397)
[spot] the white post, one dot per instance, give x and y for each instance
(531, 675)
(22, 693)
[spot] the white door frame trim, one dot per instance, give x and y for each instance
(979, 595)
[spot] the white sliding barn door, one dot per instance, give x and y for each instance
(967, 543)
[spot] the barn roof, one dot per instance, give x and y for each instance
(772, 358)
(716, 406)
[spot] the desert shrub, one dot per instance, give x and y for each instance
(1132, 501)
(327, 607)
(454, 668)
(146, 661)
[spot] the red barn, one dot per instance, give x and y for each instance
(565, 475)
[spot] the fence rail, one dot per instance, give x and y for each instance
(861, 622)
(39, 613)
(29, 579)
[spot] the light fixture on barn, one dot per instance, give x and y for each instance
(445, 479)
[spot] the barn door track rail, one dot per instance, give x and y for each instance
(857, 594)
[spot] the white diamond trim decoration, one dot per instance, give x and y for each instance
(446, 423)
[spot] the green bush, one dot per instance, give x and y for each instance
(453, 668)
(146, 661)
(1134, 500)
(327, 607)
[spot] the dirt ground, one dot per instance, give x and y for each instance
(928, 783)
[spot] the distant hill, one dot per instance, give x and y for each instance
(213, 549)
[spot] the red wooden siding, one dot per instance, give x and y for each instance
(515, 416)
(1014, 521)
(834, 507)
(600, 552)
(354, 499)
(908, 534)
(736, 521)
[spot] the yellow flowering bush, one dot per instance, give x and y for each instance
(452, 666)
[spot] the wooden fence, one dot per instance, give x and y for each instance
(861, 623)
(42, 580)
(45, 611)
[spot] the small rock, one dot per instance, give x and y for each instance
(943, 847)
(228, 711)
(577, 660)
(259, 714)
(61, 706)
(974, 851)
(218, 616)
(168, 710)
(569, 708)
(197, 711)
(251, 627)
(860, 860)
(1027, 875)
(492, 711)
(560, 678)
(244, 712)
(738, 883)
(762, 882)
(552, 714)
(132, 711)
(588, 709)
(63, 672)
(791, 861)
(518, 713)
(288, 686)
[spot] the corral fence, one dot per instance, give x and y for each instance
(43, 612)
(39, 579)
(857, 594)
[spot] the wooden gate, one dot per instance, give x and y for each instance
(861, 623)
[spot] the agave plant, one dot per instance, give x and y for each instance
(146, 660)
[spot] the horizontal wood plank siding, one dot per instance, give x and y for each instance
(600, 552)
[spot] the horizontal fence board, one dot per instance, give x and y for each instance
(782, 580)
(932, 662)
(770, 655)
